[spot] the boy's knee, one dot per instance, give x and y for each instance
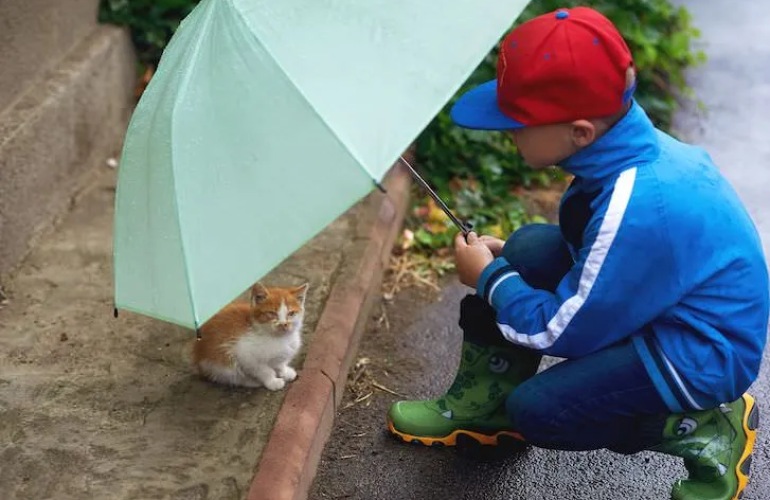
(524, 238)
(530, 413)
(539, 254)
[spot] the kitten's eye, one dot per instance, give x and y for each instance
(269, 316)
(292, 314)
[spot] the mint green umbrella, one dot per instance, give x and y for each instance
(265, 121)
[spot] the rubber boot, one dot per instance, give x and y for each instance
(716, 446)
(474, 406)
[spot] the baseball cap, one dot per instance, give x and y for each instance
(562, 66)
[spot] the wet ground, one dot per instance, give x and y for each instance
(414, 353)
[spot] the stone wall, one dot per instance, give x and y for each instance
(66, 92)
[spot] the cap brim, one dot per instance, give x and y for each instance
(478, 109)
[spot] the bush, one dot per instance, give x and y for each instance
(658, 34)
(152, 22)
(476, 171)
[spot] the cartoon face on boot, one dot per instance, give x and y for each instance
(686, 426)
(498, 364)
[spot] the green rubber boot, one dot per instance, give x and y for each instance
(474, 406)
(716, 446)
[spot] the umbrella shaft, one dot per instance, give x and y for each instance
(465, 228)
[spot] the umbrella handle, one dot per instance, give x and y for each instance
(464, 226)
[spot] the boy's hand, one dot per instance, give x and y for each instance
(495, 245)
(471, 257)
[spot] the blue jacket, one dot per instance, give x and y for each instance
(665, 253)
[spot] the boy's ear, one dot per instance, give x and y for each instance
(258, 293)
(583, 133)
(630, 77)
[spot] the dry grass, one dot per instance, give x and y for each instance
(410, 268)
(362, 384)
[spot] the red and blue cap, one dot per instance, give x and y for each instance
(566, 65)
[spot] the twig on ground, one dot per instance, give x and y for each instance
(381, 387)
(414, 269)
(384, 318)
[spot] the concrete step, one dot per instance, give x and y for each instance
(69, 119)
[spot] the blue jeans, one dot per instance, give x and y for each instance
(603, 400)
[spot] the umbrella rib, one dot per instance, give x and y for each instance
(296, 87)
(185, 81)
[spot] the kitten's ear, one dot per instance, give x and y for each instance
(258, 293)
(301, 292)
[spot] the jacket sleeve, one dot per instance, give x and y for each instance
(623, 278)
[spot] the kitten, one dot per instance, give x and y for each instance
(250, 344)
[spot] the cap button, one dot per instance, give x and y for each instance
(562, 14)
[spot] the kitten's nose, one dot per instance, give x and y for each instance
(284, 326)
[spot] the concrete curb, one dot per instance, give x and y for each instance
(290, 458)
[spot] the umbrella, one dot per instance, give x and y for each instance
(265, 121)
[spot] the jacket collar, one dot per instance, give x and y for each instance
(630, 141)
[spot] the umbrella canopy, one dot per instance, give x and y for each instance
(265, 121)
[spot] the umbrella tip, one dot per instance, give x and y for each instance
(380, 186)
(115, 312)
(197, 334)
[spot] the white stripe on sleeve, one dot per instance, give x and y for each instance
(500, 280)
(621, 194)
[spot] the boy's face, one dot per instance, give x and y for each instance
(547, 145)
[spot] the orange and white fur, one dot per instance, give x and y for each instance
(250, 344)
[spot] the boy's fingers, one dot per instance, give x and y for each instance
(472, 238)
(487, 240)
(460, 241)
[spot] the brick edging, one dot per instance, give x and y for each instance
(290, 458)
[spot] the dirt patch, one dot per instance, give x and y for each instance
(384, 372)
(544, 201)
(97, 407)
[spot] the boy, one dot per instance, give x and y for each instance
(654, 288)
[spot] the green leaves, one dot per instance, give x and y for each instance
(152, 22)
(474, 171)
(659, 35)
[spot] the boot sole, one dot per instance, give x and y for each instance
(507, 438)
(750, 425)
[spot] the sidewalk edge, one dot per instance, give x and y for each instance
(290, 458)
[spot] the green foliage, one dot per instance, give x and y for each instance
(152, 22)
(658, 34)
(499, 218)
(476, 171)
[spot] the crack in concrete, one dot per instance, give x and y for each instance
(148, 408)
(334, 390)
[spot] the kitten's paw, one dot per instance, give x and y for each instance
(287, 373)
(275, 384)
